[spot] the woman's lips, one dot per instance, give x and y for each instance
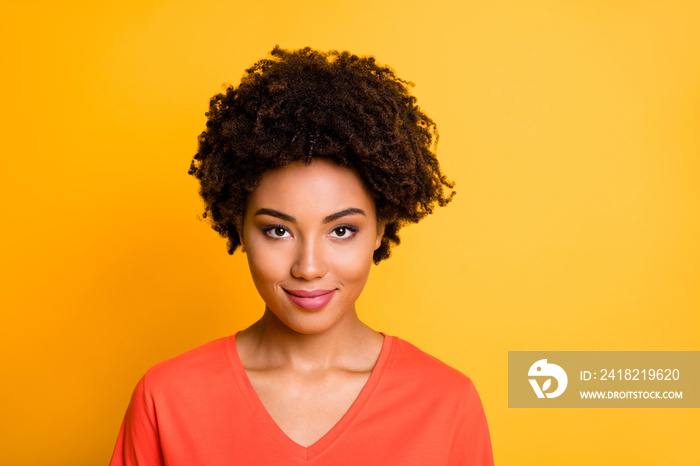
(310, 300)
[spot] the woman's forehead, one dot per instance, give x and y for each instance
(321, 187)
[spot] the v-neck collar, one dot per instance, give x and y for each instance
(276, 433)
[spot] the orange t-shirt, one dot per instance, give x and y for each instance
(199, 408)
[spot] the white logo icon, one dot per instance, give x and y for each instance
(542, 368)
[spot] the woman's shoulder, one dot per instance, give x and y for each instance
(192, 365)
(408, 362)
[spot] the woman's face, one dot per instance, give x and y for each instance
(310, 233)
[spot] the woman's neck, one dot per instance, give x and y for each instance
(270, 343)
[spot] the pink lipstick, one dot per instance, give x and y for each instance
(310, 300)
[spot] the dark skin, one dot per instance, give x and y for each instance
(308, 366)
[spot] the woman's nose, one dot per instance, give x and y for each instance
(309, 262)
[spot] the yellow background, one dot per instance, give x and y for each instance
(571, 128)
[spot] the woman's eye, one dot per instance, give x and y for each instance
(276, 232)
(344, 231)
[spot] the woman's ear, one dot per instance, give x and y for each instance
(380, 234)
(239, 229)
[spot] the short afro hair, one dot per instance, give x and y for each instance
(301, 104)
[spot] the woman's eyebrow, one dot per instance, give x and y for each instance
(343, 213)
(328, 219)
(275, 213)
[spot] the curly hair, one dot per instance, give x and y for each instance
(301, 104)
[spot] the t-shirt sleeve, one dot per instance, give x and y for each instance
(138, 442)
(471, 445)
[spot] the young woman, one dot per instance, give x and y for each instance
(311, 165)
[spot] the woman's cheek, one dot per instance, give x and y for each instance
(352, 263)
(266, 265)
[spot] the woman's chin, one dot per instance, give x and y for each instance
(313, 322)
